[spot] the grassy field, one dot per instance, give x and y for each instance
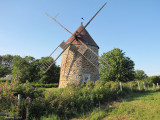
(136, 106)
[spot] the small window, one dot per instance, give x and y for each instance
(85, 78)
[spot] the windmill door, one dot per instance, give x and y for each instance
(85, 78)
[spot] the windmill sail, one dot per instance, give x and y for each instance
(64, 46)
(91, 55)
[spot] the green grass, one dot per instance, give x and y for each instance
(51, 89)
(50, 117)
(136, 106)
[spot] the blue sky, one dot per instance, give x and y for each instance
(131, 25)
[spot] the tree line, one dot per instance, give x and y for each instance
(28, 69)
(121, 68)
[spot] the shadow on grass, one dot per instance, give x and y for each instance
(103, 110)
(137, 95)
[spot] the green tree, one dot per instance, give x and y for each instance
(5, 65)
(121, 67)
(4, 71)
(52, 75)
(140, 74)
(1, 58)
(7, 60)
(22, 68)
(30, 69)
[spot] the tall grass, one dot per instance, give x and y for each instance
(50, 117)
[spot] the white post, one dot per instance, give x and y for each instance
(19, 103)
(131, 86)
(157, 85)
(144, 86)
(153, 85)
(139, 86)
(120, 86)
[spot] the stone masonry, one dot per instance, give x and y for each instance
(75, 66)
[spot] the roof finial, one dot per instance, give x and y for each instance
(82, 21)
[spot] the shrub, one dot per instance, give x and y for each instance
(73, 99)
(45, 85)
(4, 80)
(9, 100)
(152, 79)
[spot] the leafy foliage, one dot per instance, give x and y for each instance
(52, 75)
(152, 79)
(122, 67)
(5, 65)
(37, 85)
(9, 95)
(75, 99)
(28, 69)
(22, 69)
(64, 103)
(140, 74)
(4, 71)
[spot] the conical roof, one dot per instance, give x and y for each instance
(84, 37)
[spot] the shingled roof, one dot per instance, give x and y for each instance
(84, 37)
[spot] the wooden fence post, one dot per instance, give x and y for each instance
(157, 85)
(19, 103)
(144, 85)
(139, 86)
(153, 85)
(120, 86)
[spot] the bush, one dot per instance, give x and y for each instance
(4, 80)
(73, 99)
(9, 97)
(152, 79)
(45, 85)
(63, 102)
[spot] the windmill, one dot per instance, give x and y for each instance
(79, 56)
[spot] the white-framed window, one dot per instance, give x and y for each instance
(86, 77)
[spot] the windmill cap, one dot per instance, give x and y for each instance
(84, 37)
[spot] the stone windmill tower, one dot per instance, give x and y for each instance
(78, 63)
(79, 57)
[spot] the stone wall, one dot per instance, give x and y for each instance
(74, 66)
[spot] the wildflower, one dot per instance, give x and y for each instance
(35, 89)
(70, 93)
(0, 98)
(29, 99)
(0, 89)
(12, 84)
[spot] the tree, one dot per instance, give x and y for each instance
(52, 75)
(121, 67)
(140, 74)
(5, 65)
(4, 71)
(7, 61)
(22, 68)
(29, 69)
